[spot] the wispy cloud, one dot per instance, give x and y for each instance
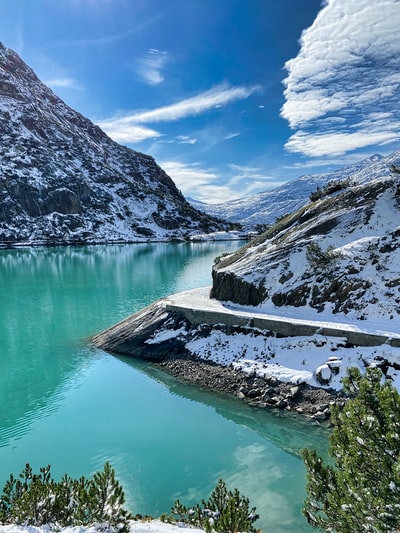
(150, 67)
(342, 89)
(250, 180)
(218, 96)
(192, 179)
(231, 136)
(185, 139)
(129, 133)
(64, 83)
(204, 183)
(102, 40)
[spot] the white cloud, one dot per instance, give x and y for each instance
(347, 69)
(192, 180)
(223, 94)
(250, 180)
(128, 133)
(333, 144)
(150, 68)
(218, 96)
(64, 83)
(185, 139)
(209, 185)
(231, 136)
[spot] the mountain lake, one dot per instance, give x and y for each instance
(65, 403)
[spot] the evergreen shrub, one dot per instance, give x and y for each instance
(226, 511)
(37, 500)
(358, 490)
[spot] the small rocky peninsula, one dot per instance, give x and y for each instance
(162, 336)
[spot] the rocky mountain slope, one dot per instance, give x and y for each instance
(337, 255)
(62, 180)
(264, 208)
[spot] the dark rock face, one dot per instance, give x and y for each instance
(63, 180)
(228, 287)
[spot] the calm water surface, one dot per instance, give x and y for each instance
(65, 403)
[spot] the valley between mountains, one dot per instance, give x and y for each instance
(328, 253)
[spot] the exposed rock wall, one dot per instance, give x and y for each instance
(229, 287)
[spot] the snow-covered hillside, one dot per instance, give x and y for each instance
(62, 180)
(266, 207)
(339, 255)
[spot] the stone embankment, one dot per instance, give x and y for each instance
(186, 311)
(198, 308)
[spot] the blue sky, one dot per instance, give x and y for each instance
(231, 97)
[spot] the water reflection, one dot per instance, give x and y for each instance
(287, 431)
(65, 403)
(260, 457)
(52, 298)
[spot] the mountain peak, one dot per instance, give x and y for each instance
(265, 208)
(63, 180)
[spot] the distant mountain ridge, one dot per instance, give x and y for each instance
(265, 207)
(63, 180)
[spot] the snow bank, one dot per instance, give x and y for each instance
(154, 526)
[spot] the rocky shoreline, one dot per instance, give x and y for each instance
(302, 399)
(159, 335)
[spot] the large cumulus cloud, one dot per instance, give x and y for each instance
(342, 90)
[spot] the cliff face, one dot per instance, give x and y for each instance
(63, 180)
(340, 253)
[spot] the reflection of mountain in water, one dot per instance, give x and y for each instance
(52, 298)
(287, 431)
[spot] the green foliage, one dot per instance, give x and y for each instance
(360, 490)
(36, 499)
(319, 259)
(225, 512)
(330, 188)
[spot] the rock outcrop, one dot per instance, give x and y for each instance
(63, 180)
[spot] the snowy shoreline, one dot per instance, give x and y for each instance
(300, 373)
(152, 526)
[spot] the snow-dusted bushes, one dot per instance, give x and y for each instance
(330, 188)
(359, 491)
(37, 499)
(226, 511)
(319, 259)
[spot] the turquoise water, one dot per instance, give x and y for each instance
(65, 403)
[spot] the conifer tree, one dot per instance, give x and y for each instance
(359, 491)
(36, 499)
(106, 499)
(226, 512)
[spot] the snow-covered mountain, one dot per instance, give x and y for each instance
(266, 207)
(63, 180)
(339, 254)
